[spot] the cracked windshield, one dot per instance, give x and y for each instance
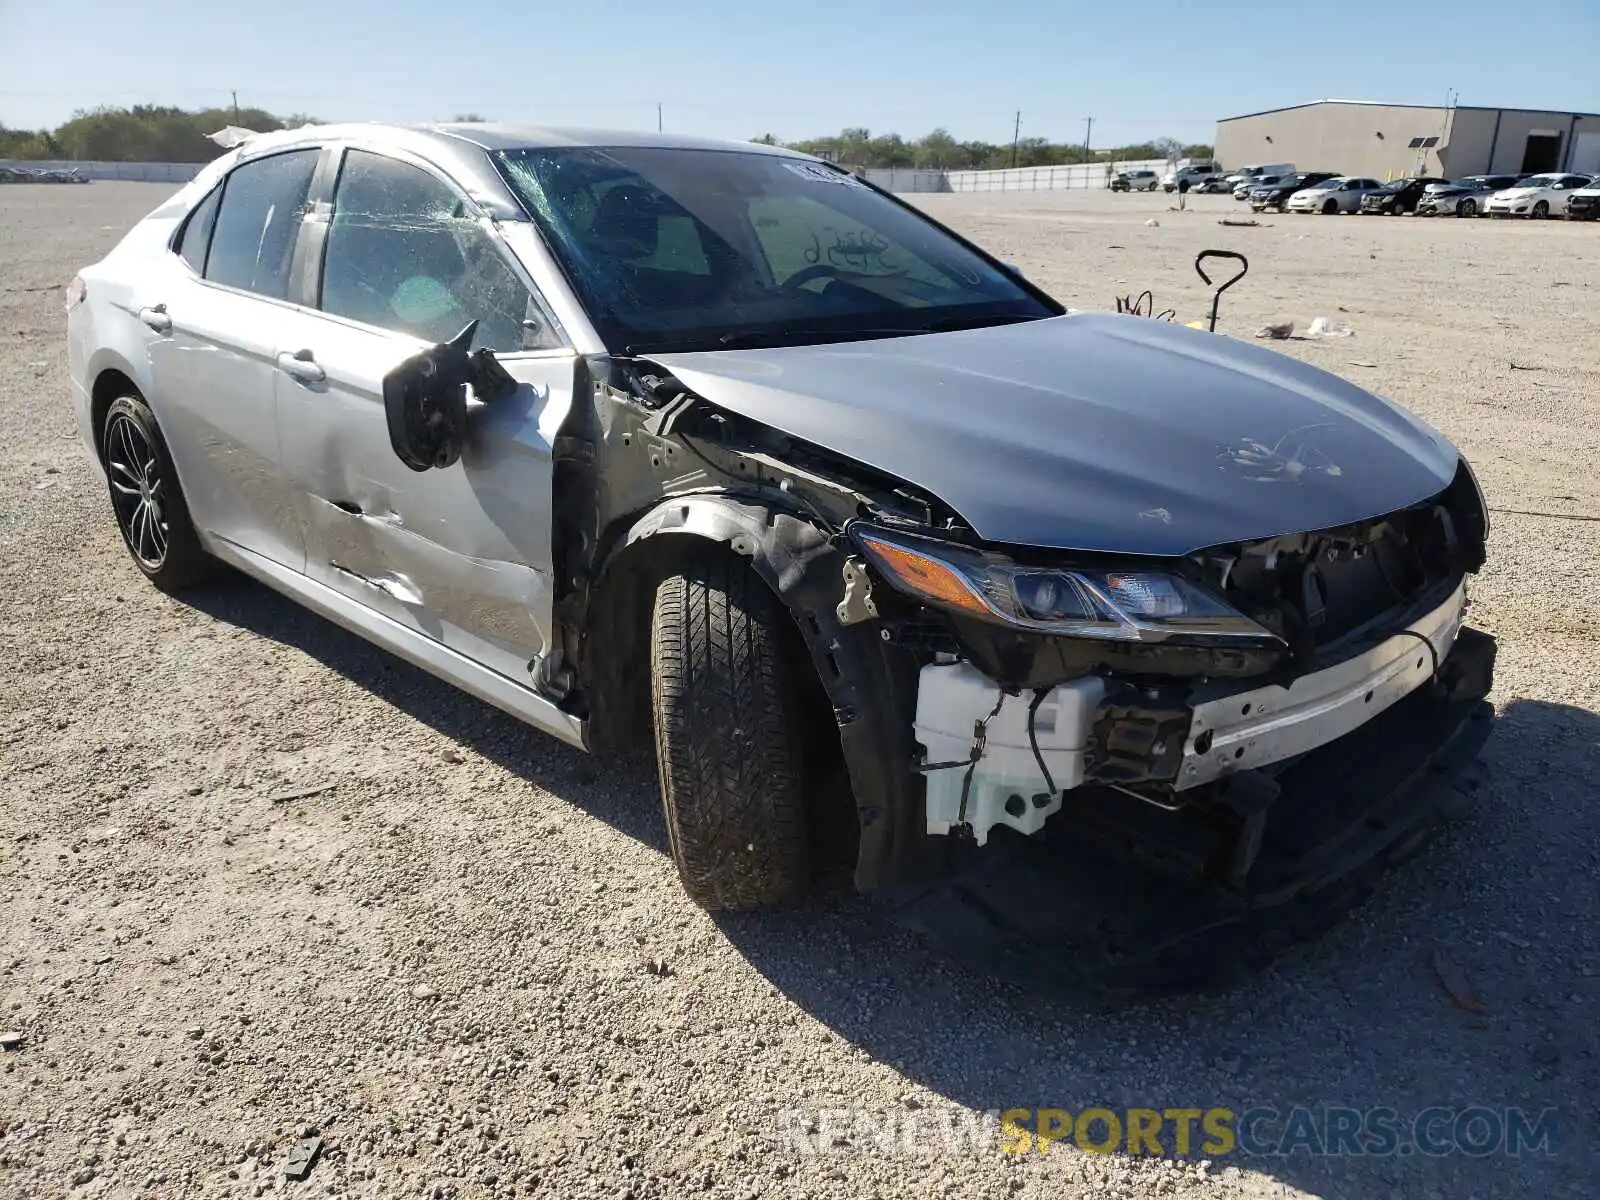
(686, 250)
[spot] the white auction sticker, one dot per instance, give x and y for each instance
(821, 174)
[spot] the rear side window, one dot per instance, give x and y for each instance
(252, 245)
(403, 254)
(196, 239)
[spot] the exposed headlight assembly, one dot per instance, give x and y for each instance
(1120, 604)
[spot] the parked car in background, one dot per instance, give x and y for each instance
(1584, 203)
(1341, 194)
(1398, 196)
(1195, 173)
(1258, 172)
(1462, 197)
(1537, 196)
(1213, 185)
(1244, 187)
(1276, 193)
(1135, 181)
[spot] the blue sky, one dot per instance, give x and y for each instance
(1142, 69)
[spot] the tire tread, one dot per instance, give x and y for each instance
(727, 742)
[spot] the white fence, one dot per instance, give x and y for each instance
(907, 179)
(1046, 179)
(140, 171)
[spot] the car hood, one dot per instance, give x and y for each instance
(1093, 432)
(1521, 193)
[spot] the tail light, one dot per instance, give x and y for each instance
(77, 292)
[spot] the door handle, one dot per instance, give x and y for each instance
(156, 318)
(302, 366)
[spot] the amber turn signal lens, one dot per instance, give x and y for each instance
(924, 576)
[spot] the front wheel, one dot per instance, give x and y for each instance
(728, 736)
(1541, 210)
(147, 500)
(1467, 208)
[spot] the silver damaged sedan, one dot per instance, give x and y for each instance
(717, 448)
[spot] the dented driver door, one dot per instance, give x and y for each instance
(461, 554)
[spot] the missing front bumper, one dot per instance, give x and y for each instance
(1241, 730)
(1118, 899)
(992, 757)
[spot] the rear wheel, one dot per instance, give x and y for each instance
(146, 498)
(728, 736)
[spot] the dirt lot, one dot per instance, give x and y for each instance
(468, 964)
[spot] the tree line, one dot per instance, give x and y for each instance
(143, 133)
(939, 150)
(158, 133)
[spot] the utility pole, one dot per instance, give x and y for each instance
(1016, 132)
(1088, 128)
(658, 116)
(235, 107)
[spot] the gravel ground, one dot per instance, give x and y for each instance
(467, 963)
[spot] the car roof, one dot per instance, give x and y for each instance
(494, 136)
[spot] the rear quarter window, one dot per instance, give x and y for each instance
(195, 240)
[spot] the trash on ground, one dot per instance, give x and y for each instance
(1236, 223)
(302, 1158)
(1278, 331)
(1144, 305)
(1321, 327)
(12, 1040)
(1363, 364)
(1516, 366)
(1153, 223)
(1454, 977)
(300, 793)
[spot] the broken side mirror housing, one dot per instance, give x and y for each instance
(425, 399)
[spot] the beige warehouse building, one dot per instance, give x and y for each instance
(1388, 141)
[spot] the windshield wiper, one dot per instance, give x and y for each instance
(792, 337)
(952, 324)
(755, 337)
(768, 337)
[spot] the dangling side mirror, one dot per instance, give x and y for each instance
(425, 399)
